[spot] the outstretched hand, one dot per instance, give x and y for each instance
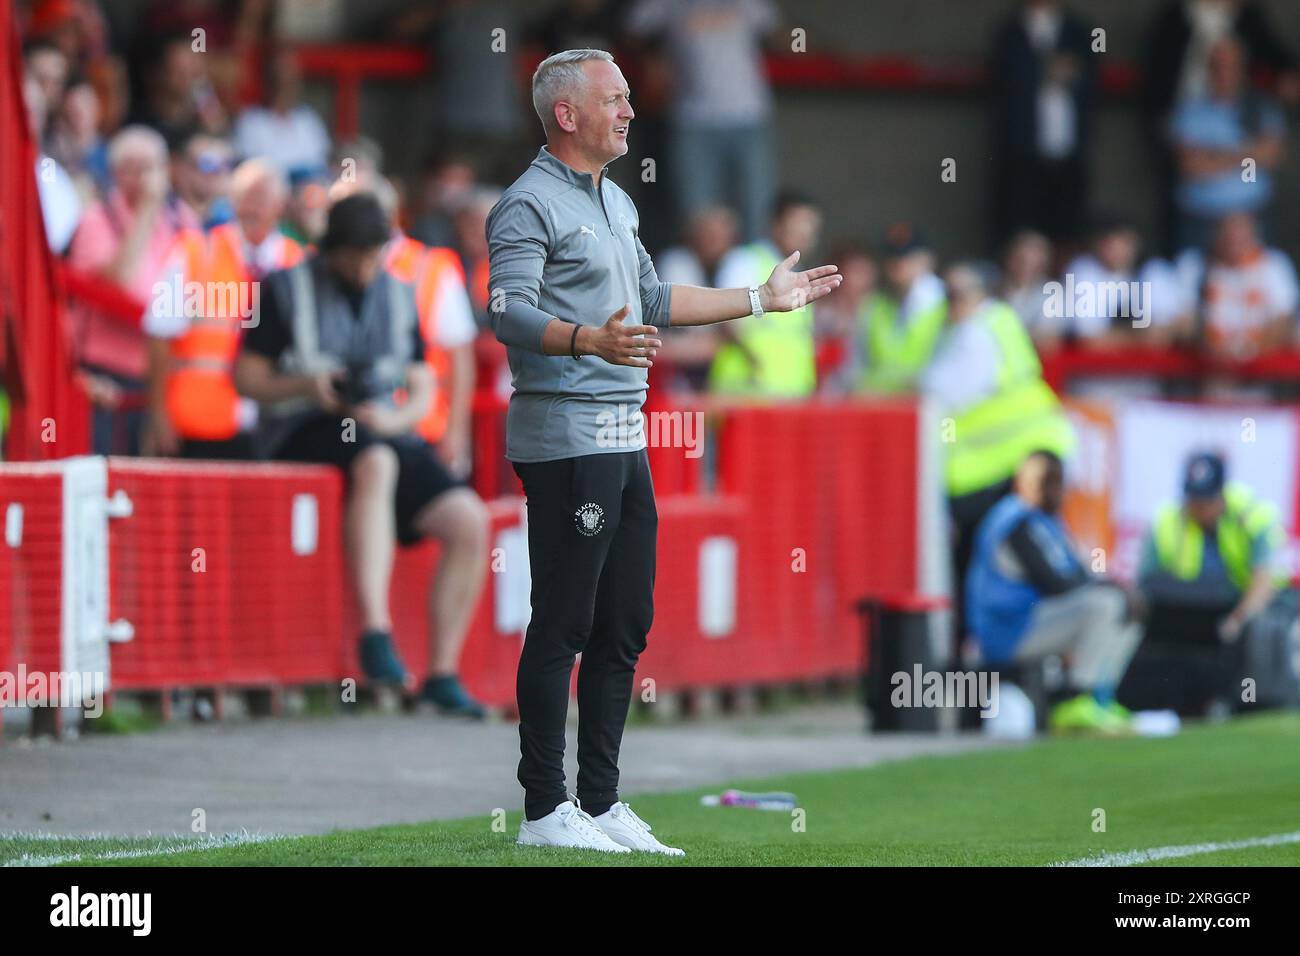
(787, 290)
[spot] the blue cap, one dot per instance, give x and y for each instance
(1205, 475)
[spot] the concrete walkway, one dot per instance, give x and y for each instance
(312, 775)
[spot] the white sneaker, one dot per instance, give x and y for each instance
(567, 825)
(626, 828)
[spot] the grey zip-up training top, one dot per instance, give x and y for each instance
(559, 248)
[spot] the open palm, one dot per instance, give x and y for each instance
(788, 290)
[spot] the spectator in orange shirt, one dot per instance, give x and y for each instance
(193, 409)
(1246, 294)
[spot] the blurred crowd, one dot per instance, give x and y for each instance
(191, 119)
(178, 144)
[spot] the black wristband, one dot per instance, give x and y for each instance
(573, 342)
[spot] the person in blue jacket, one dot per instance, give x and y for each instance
(1029, 597)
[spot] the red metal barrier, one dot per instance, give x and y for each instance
(679, 651)
(1062, 367)
(31, 562)
(831, 493)
(206, 571)
(101, 295)
(234, 574)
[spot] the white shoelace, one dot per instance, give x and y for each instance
(580, 820)
(624, 812)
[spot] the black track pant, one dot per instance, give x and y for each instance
(591, 548)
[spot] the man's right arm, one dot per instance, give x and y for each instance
(518, 240)
(256, 377)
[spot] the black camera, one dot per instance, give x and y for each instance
(359, 384)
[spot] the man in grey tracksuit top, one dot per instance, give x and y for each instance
(576, 300)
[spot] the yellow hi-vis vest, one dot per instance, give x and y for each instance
(1180, 542)
(896, 353)
(987, 441)
(782, 342)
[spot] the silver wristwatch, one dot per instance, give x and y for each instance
(755, 301)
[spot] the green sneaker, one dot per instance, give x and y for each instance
(1120, 711)
(1083, 714)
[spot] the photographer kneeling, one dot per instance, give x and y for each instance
(335, 340)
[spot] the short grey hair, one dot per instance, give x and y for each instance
(252, 172)
(133, 141)
(557, 76)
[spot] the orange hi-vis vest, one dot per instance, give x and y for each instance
(201, 399)
(427, 268)
(478, 285)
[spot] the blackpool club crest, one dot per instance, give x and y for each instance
(590, 518)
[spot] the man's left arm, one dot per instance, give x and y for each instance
(785, 291)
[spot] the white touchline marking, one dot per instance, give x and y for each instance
(186, 846)
(1134, 857)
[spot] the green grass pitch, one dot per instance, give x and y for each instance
(1032, 805)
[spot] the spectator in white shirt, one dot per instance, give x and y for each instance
(284, 131)
(1107, 300)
